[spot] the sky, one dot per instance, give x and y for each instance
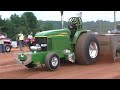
(56, 16)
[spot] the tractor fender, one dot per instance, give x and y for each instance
(77, 34)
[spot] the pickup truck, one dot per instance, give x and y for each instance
(7, 43)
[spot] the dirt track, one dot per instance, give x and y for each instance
(104, 68)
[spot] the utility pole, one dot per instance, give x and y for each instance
(100, 25)
(114, 19)
(62, 18)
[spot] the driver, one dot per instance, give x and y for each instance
(73, 28)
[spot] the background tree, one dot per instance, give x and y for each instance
(31, 19)
(28, 22)
(47, 26)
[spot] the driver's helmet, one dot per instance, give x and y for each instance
(74, 21)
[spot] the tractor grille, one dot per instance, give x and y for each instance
(42, 41)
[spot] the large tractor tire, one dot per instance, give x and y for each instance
(52, 61)
(87, 49)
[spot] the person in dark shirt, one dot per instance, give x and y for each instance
(117, 30)
(17, 39)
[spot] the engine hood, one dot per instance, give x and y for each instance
(53, 32)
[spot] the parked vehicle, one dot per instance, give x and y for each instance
(7, 43)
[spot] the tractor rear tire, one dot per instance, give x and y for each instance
(52, 61)
(82, 49)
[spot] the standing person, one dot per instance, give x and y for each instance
(117, 30)
(30, 37)
(17, 39)
(21, 40)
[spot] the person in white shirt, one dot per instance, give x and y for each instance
(2, 36)
(30, 36)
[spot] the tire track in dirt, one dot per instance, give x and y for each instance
(104, 68)
(8, 68)
(8, 65)
(81, 72)
(66, 71)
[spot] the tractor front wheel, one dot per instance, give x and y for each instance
(52, 61)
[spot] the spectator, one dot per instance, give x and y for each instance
(21, 40)
(5, 35)
(30, 37)
(2, 36)
(117, 30)
(17, 39)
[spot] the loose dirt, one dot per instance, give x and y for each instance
(104, 68)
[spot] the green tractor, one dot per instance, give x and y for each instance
(71, 44)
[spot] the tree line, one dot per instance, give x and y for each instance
(28, 22)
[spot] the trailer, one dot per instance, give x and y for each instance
(110, 45)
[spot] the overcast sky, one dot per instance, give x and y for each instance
(55, 15)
